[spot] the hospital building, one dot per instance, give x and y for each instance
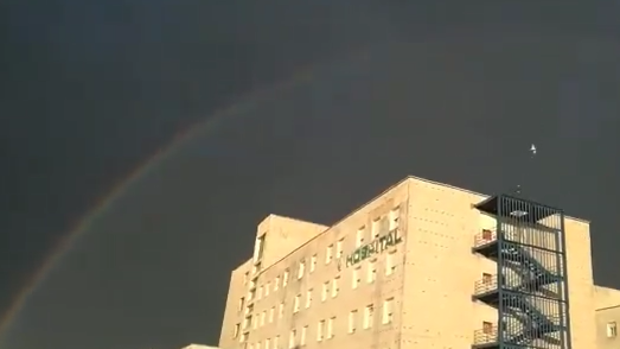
(424, 265)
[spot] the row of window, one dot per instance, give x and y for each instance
(389, 223)
(333, 287)
(325, 328)
(380, 225)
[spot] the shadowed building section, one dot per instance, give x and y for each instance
(422, 265)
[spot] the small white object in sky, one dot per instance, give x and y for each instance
(533, 149)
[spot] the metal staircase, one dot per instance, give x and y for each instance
(529, 289)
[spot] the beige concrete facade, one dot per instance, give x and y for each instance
(305, 286)
(607, 317)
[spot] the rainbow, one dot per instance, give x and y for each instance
(69, 239)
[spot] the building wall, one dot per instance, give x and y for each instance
(607, 322)
(429, 287)
(607, 302)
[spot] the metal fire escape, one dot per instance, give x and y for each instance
(529, 289)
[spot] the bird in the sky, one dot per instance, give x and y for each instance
(533, 149)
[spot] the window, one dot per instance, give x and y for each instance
(388, 310)
(371, 275)
(319, 330)
(612, 330)
(304, 332)
(487, 279)
(352, 321)
(328, 254)
(302, 269)
(296, 304)
(313, 263)
(285, 279)
(368, 316)
(246, 277)
(251, 346)
(356, 277)
(276, 342)
(308, 298)
(243, 338)
(335, 287)
(339, 248)
(241, 303)
(271, 314)
(267, 289)
(281, 310)
(267, 343)
(374, 228)
(324, 291)
(487, 327)
(260, 293)
(255, 322)
(390, 266)
(330, 327)
(247, 322)
(359, 238)
(236, 330)
(394, 215)
(263, 316)
(291, 339)
(259, 248)
(487, 234)
(276, 284)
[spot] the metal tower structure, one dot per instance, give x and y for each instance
(529, 290)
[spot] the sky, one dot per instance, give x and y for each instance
(222, 112)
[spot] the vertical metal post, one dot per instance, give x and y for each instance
(567, 330)
(500, 262)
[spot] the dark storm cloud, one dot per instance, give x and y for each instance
(454, 94)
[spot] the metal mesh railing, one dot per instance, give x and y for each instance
(486, 335)
(485, 285)
(487, 236)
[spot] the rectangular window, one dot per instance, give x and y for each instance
(320, 329)
(267, 346)
(335, 286)
(359, 238)
(296, 303)
(256, 321)
(291, 339)
(394, 216)
(313, 263)
(324, 291)
(339, 246)
(236, 330)
(487, 327)
(276, 342)
(352, 321)
(263, 317)
(243, 338)
(260, 293)
(612, 329)
(328, 254)
(330, 327)
(390, 263)
(374, 228)
(368, 316)
(241, 304)
(356, 277)
(246, 277)
(281, 310)
(285, 279)
(371, 275)
(302, 269)
(308, 298)
(302, 339)
(267, 289)
(388, 310)
(276, 284)
(271, 314)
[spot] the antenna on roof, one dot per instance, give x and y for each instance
(533, 152)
